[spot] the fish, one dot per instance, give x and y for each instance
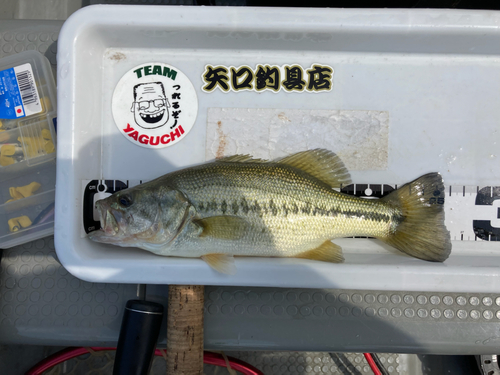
(290, 207)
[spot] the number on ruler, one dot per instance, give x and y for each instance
(435, 200)
(483, 228)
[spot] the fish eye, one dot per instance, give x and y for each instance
(125, 200)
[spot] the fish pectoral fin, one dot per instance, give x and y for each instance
(326, 252)
(322, 164)
(223, 227)
(222, 263)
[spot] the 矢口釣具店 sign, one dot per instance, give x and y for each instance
(154, 105)
(274, 78)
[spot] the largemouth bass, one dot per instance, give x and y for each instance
(240, 206)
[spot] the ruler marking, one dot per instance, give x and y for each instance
(461, 211)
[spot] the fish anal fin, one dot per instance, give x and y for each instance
(322, 164)
(326, 252)
(223, 227)
(222, 263)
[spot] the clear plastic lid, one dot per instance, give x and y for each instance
(27, 148)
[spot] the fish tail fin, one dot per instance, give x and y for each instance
(421, 232)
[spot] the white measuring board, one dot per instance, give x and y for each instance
(401, 78)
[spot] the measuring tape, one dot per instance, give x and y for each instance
(472, 213)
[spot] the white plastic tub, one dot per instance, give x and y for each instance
(425, 82)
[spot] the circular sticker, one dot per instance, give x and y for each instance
(154, 105)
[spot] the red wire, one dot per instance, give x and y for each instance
(208, 358)
(372, 364)
(236, 364)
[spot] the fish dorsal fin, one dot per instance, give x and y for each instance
(326, 252)
(322, 164)
(240, 159)
(223, 227)
(223, 263)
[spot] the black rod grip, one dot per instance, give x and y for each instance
(138, 335)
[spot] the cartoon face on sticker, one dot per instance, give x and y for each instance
(150, 105)
(154, 105)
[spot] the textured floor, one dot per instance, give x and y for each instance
(17, 359)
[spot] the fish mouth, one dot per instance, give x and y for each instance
(109, 223)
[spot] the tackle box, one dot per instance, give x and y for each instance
(27, 148)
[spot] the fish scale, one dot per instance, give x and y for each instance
(300, 212)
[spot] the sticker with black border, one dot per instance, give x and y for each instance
(154, 105)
